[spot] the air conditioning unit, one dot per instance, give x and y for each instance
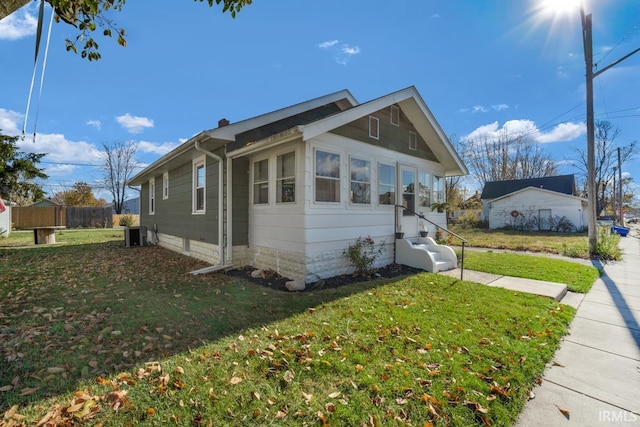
(135, 236)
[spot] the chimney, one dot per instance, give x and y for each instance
(223, 123)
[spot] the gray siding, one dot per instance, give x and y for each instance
(240, 201)
(173, 215)
(391, 136)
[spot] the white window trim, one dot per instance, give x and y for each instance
(361, 205)
(152, 196)
(374, 122)
(268, 181)
(165, 186)
(295, 177)
(197, 162)
(413, 140)
(395, 185)
(339, 179)
(395, 111)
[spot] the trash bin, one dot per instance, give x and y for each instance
(623, 231)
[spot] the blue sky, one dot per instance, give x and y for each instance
(480, 66)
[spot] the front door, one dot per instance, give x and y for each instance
(544, 218)
(407, 190)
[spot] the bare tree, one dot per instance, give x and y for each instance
(606, 159)
(505, 157)
(118, 169)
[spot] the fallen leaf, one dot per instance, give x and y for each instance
(55, 370)
(6, 388)
(564, 412)
(29, 391)
(235, 380)
(554, 363)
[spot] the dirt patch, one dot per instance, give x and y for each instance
(273, 280)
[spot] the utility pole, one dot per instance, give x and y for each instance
(587, 42)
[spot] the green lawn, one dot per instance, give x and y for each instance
(88, 328)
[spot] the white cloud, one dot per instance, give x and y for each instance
(479, 109)
(95, 123)
(328, 44)
(9, 122)
(155, 148)
(500, 107)
(526, 128)
(342, 53)
(435, 16)
(19, 24)
(563, 132)
(134, 124)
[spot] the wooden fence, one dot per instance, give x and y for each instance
(68, 216)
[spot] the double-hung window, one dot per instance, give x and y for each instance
(261, 182)
(199, 185)
(327, 176)
(438, 189)
(360, 171)
(424, 189)
(286, 178)
(165, 185)
(386, 184)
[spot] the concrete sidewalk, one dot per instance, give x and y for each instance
(595, 379)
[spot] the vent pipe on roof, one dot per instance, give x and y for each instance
(222, 123)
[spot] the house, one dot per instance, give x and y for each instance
(544, 204)
(5, 217)
(291, 189)
(45, 203)
(131, 206)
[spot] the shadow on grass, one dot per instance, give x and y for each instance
(76, 312)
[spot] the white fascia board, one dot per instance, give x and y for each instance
(543, 190)
(229, 132)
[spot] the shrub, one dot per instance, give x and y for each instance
(607, 247)
(126, 220)
(363, 254)
(469, 219)
(562, 224)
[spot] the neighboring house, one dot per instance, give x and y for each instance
(544, 204)
(291, 189)
(5, 217)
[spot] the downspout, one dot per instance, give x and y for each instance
(221, 260)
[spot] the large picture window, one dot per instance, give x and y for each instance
(286, 178)
(360, 171)
(386, 184)
(327, 176)
(199, 185)
(261, 182)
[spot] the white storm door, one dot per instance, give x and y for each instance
(407, 190)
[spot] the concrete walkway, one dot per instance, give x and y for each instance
(594, 379)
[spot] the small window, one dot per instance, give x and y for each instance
(386, 184)
(286, 178)
(360, 171)
(413, 141)
(327, 175)
(152, 196)
(438, 189)
(374, 127)
(424, 190)
(395, 115)
(165, 185)
(199, 185)
(261, 182)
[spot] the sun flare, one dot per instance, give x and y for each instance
(561, 7)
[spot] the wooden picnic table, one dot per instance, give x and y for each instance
(45, 234)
